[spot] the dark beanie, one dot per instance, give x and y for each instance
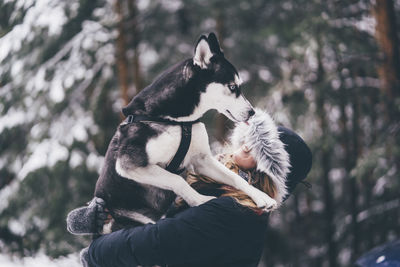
(300, 157)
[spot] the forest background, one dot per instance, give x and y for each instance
(329, 69)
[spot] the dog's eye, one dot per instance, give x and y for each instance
(232, 87)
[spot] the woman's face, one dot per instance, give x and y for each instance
(244, 159)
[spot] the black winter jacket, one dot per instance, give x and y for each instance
(220, 232)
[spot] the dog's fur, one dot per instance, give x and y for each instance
(134, 182)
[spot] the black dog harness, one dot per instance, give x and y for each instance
(186, 137)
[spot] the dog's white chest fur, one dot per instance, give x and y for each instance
(161, 150)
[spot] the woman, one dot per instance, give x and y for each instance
(226, 231)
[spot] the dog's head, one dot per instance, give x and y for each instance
(222, 83)
(187, 90)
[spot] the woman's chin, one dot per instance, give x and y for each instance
(245, 163)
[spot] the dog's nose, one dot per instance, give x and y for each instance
(251, 112)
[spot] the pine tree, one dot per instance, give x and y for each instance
(315, 66)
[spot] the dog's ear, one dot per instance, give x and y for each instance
(214, 44)
(202, 53)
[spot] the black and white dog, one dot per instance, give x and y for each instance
(134, 182)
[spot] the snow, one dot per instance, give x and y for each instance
(380, 259)
(10, 42)
(171, 5)
(244, 75)
(57, 91)
(336, 175)
(49, 16)
(317, 206)
(265, 75)
(11, 119)
(16, 227)
(366, 24)
(79, 132)
(380, 186)
(378, 210)
(43, 13)
(16, 67)
(46, 153)
(148, 56)
(344, 257)
(6, 193)
(143, 4)
(40, 260)
(94, 162)
(71, 71)
(76, 159)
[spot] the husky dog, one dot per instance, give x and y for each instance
(134, 182)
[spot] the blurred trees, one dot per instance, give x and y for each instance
(127, 41)
(328, 69)
(387, 38)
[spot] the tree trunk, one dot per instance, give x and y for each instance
(351, 152)
(345, 133)
(389, 71)
(122, 63)
(325, 161)
(352, 178)
(135, 41)
(369, 180)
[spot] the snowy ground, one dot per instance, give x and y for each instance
(40, 260)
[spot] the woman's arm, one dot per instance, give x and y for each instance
(217, 231)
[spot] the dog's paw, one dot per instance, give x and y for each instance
(271, 205)
(262, 200)
(89, 219)
(200, 199)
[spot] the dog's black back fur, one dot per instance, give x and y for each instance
(174, 93)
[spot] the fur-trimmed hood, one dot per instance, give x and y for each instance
(262, 137)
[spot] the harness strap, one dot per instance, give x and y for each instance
(186, 137)
(144, 118)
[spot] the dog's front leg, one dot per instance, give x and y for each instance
(156, 176)
(209, 166)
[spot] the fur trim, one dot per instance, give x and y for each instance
(262, 137)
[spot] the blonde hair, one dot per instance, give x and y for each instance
(257, 179)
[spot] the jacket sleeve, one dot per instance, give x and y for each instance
(197, 234)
